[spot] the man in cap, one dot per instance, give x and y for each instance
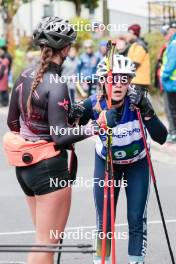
(138, 53)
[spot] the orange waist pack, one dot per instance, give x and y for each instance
(21, 152)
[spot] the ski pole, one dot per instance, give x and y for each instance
(155, 185)
(105, 205)
(109, 169)
(112, 204)
(59, 253)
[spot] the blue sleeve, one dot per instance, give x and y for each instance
(170, 65)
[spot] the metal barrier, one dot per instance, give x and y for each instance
(56, 248)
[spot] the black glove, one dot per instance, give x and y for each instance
(108, 118)
(111, 117)
(76, 112)
(139, 98)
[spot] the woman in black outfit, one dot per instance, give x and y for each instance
(40, 101)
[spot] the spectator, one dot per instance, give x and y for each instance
(3, 45)
(122, 45)
(69, 69)
(138, 53)
(98, 30)
(86, 69)
(102, 50)
(157, 82)
(4, 70)
(168, 79)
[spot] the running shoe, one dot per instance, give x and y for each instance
(97, 260)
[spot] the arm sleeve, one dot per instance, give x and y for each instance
(58, 108)
(156, 129)
(14, 111)
(170, 65)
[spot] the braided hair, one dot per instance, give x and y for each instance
(47, 54)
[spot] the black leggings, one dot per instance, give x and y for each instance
(44, 177)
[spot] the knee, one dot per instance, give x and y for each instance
(50, 238)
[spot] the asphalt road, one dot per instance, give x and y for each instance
(16, 226)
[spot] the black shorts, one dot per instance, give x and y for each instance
(44, 177)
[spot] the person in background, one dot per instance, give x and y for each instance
(157, 82)
(136, 30)
(168, 80)
(4, 71)
(138, 53)
(122, 45)
(69, 69)
(10, 59)
(98, 30)
(86, 69)
(102, 50)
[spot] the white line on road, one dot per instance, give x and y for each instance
(156, 222)
(12, 262)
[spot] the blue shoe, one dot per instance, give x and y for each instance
(97, 260)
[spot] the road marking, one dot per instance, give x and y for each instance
(27, 232)
(12, 262)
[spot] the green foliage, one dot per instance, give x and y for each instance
(82, 34)
(155, 41)
(18, 62)
(91, 4)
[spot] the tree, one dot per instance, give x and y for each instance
(9, 8)
(90, 4)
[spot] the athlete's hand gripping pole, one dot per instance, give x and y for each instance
(155, 184)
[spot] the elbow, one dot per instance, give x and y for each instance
(161, 137)
(13, 126)
(9, 124)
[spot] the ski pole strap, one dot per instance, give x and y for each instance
(109, 62)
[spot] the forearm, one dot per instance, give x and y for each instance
(68, 135)
(156, 129)
(14, 112)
